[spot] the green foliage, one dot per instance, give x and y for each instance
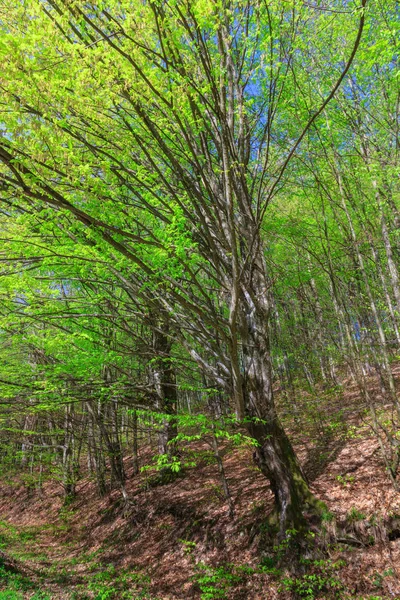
(204, 424)
(327, 517)
(40, 595)
(165, 461)
(311, 586)
(188, 546)
(141, 146)
(345, 480)
(322, 579)
(378, 578)
(355, 515)
(353, 432)
(215, 582)
(288, 543)
(269, 565)
(14, 581)
(109, 584)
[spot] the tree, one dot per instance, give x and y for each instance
(166, 130)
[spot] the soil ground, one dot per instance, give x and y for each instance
(177, 542)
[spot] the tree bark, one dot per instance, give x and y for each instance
(274, 452)
(135, 455)
(164, 379)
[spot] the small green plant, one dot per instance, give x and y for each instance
(353, 432)
(345, 480)
(286, 544)
(246, 569)
(10, 595)
(108, 584)
(188, 546)
(215, 582)
(356, 515)
(379, 577)
(336, 425)
(14, 581)
(327, 516)
(40, 595)
(306, 586)
(4, 541)
(268, 564)
(322, 578)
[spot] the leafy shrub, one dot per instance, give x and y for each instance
(214, 582)
(345, 480)
(10, 595)
(321, 580)
(355, 515)
(13, 581)
(107, 585)
(40, 595)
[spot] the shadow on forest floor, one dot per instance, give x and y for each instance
(321, 455)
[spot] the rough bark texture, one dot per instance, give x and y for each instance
(274, 453)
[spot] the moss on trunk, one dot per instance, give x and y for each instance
(296, 508)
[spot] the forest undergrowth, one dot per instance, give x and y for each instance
(178, 540)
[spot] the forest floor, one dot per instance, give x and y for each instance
(177, 541)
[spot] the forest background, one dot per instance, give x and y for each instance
(200, 245)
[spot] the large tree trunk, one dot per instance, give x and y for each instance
(274, 453)
(278, 462)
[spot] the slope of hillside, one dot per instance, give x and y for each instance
(177, 541)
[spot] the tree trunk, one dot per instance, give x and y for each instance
(221, 470)
(164, 379)
(69, 476)
(135, 455)
(274, 453)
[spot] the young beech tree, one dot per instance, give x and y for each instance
(165, 128)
